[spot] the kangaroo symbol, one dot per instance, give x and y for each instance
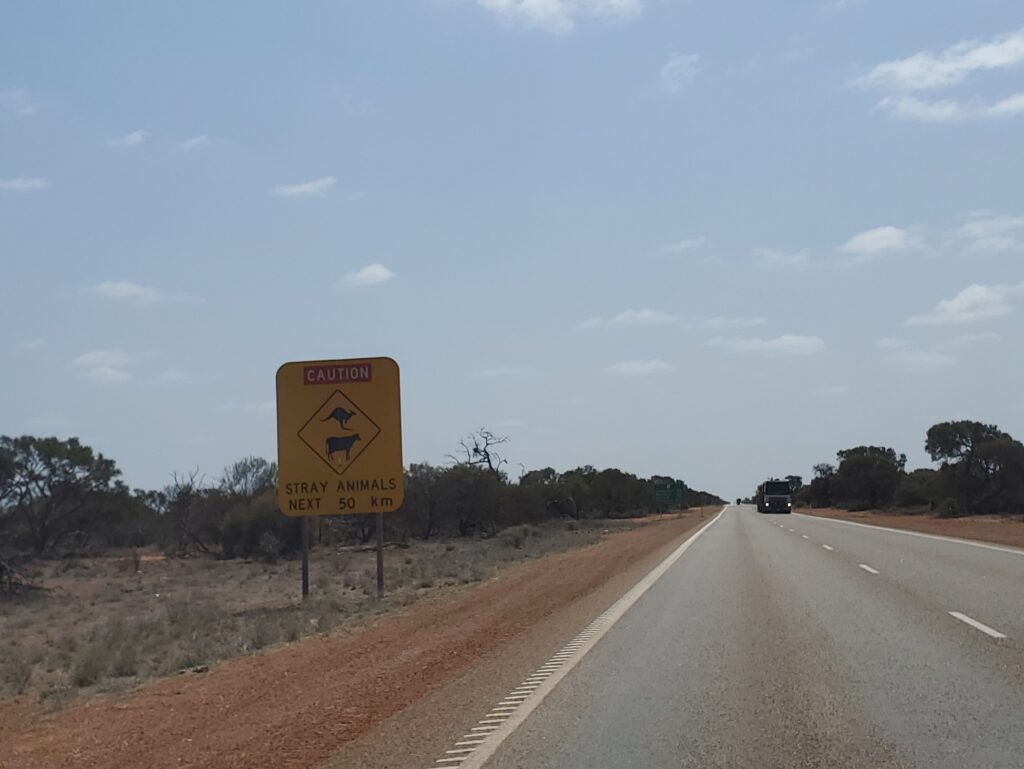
(341, 415)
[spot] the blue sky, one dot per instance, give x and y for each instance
(713, 240)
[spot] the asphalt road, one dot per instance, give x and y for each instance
(793, 641)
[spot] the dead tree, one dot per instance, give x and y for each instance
(479, 449)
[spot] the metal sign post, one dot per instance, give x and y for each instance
(305, 557)
(380, 556)
(339, 444)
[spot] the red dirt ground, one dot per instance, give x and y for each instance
(1000, 531)
(297, 705)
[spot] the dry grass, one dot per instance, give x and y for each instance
(108, 623)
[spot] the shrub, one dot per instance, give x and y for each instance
(270, 547)
(949, 509)
(91, 665)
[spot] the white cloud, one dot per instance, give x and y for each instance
(679, 70)
(103, 366)
(628, 318)
(133, 139)
(18, 102)
(774, 257)
(196, 142)
(890, 343)
(315, 187)
(878, 241)
(787, 344)
(561, 16)
(974, 340)
(985, 233)
(175, 376)
(731, 323)
(975, 303)
(682, 246)
(370, 275)
(922, 361)
(126, 291)
(926, 70)
(23, 184)
(951, 110)
(640, 367)
(506, 371)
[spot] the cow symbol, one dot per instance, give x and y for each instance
(341, 415)
(341, 443)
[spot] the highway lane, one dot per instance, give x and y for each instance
(949, 575)
(761, 648)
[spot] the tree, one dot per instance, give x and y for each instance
(52, 489)
(195, 511)
(480, 450)
(818, 493)
(796, 482)
(867, 476)
(918, 488)
(420, 509)
(249, 477)
(982, 466)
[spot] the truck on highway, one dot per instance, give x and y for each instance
(774, 496)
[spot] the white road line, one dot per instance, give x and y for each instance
(1011, 550)
(490, 721)
(459, 750)
(868, 569)
(469, 742)
(805, 536)
(608, 619)
(792, 531)
(977, 625)
(828, 547)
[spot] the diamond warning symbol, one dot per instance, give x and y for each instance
(339, 432)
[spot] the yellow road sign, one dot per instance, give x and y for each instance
(339, 437)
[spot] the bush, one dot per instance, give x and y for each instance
(949, 509)
(246, 526)
(91, 665)
(270, 547)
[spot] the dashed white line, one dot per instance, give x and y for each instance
(791, 531)
(805, 536)
(828, 547)
(977, 625)
(868, 569)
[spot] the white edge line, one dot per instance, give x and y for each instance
(955, 540)
(977, 625)
(868, 569)
(479, 757)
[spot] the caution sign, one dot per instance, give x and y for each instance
(339, 437)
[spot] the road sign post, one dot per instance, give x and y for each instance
(339, 442)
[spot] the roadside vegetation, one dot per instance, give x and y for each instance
(980, 472)
(102, 586)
